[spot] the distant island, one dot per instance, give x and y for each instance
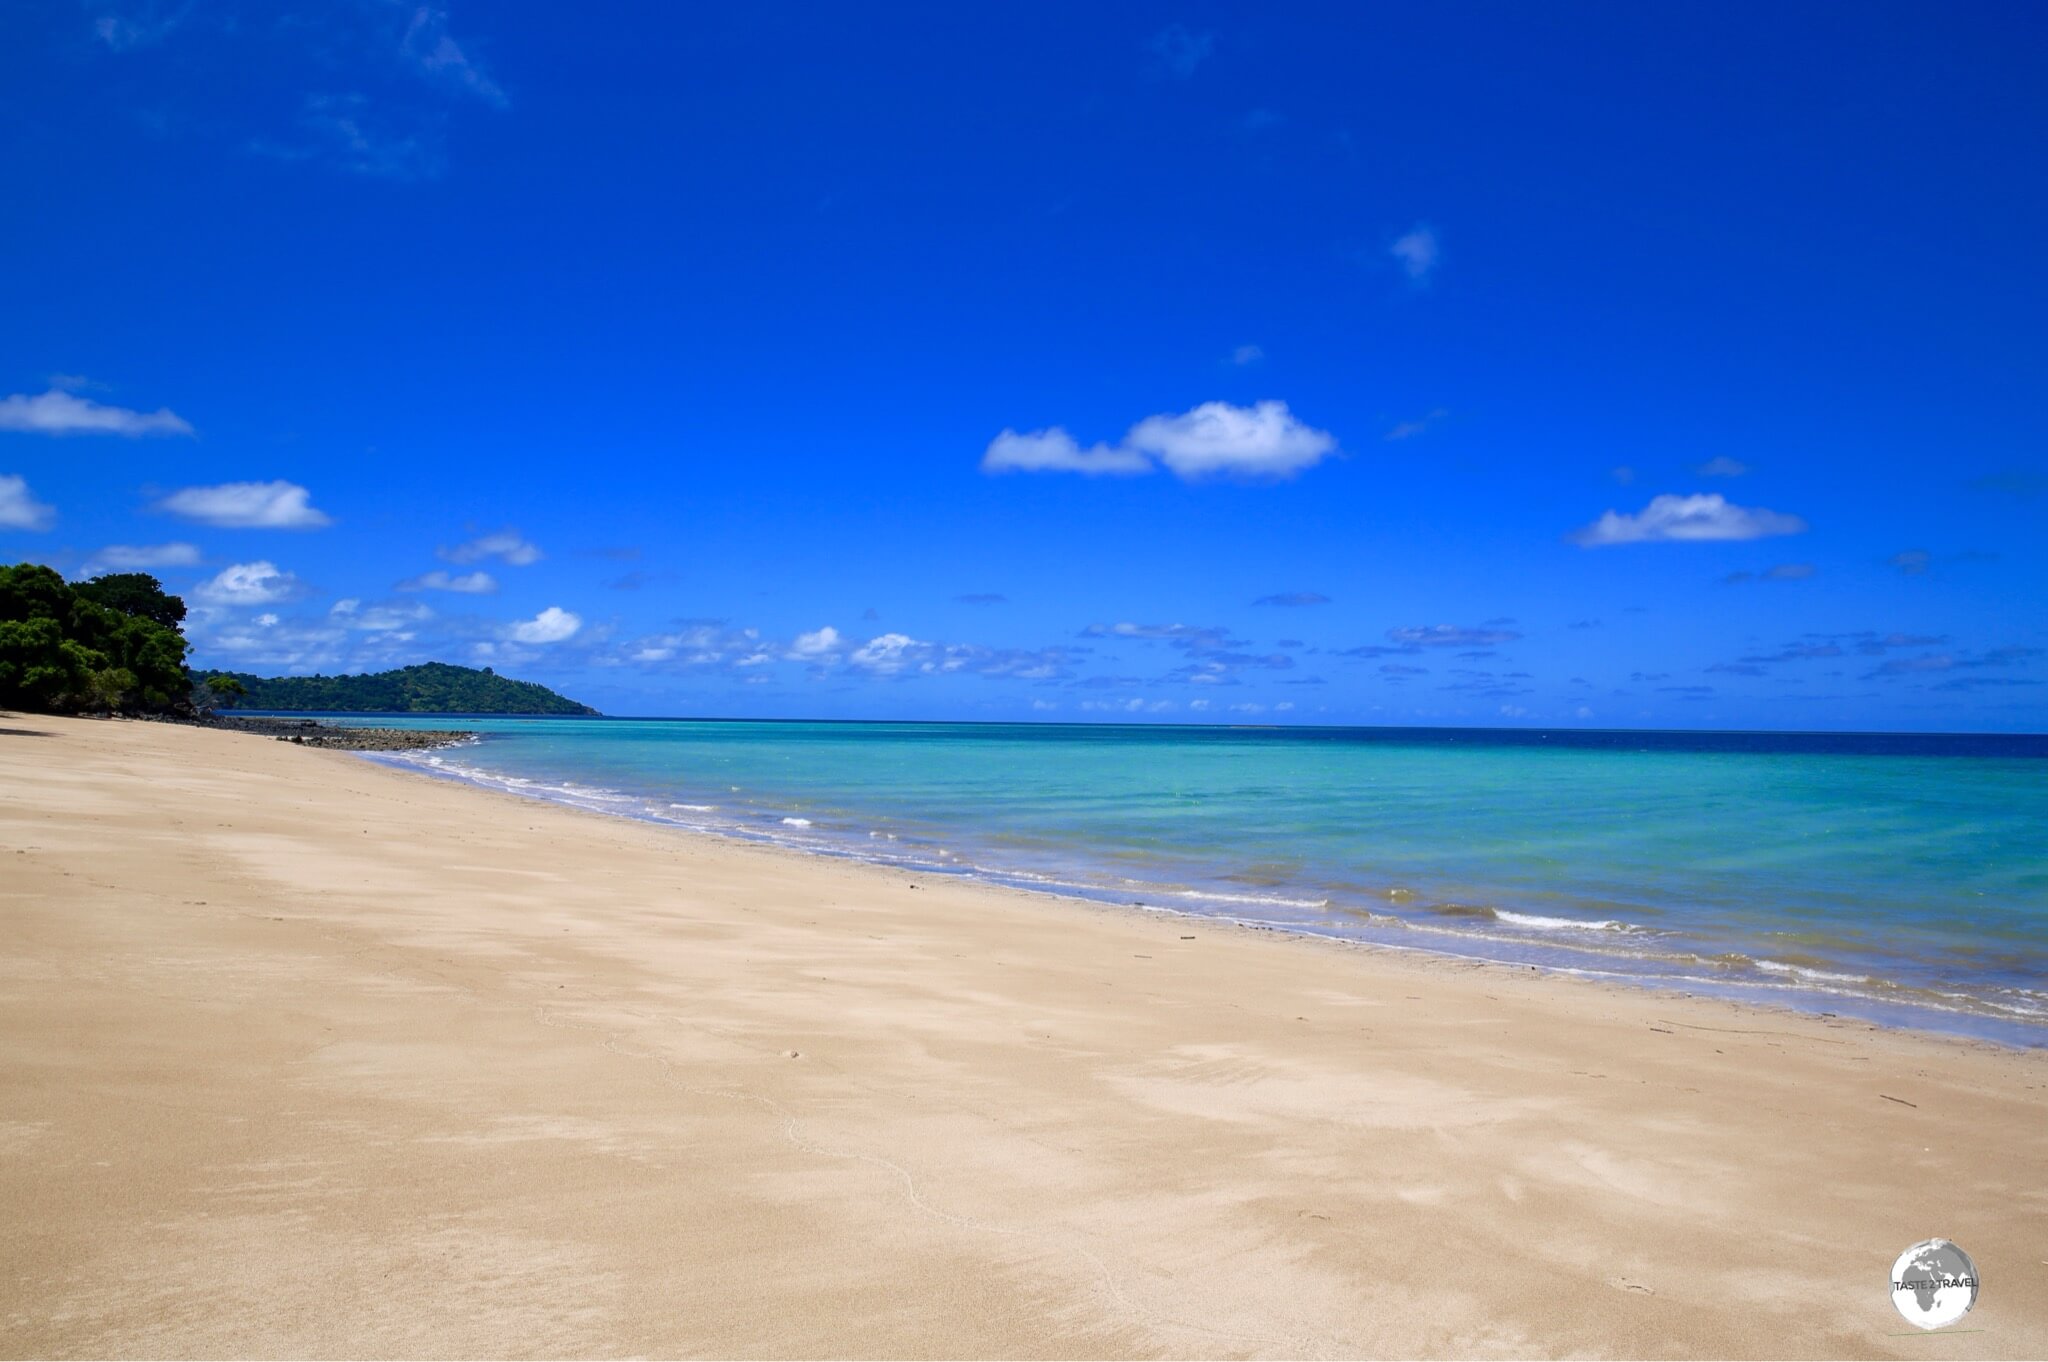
(430, 688)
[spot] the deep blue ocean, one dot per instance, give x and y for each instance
(1899, 878)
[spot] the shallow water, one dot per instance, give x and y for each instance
(1898, 878)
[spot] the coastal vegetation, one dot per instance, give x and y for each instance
(429, 688)
(115, 644)
(109, 644)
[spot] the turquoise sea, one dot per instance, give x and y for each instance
(1898, 878)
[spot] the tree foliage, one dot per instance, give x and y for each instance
(430, 688)
(135, 593)
(94, 646)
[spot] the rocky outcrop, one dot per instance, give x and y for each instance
(312, 733)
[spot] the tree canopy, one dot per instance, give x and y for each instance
(429, 688)
(109, 644)
(134, 593)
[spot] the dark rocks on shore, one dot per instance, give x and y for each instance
(313, 733)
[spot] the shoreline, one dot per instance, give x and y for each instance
(1799, 996)
(311, 1056)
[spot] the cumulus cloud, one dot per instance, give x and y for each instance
(1215, 439)
(258, 583)
(248, 505)
(1721, 466)
(505, 544)
(467, 583)
(352, 614)
(1682, 519)
(741, 652)
(1265, 440)
(1247, 354)
(19, 509)
(551, 625)
(701, 643)
(134, 557)
(1055, 451)
(1418, 251)
(888, 654)
(61, 413)
(815, 646)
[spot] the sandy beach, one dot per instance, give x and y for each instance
(305, 1056)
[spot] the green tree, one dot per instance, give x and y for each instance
(223, 690)
(112, 688)
(61, 649)
(39, 667)
(30, 591)
(135, 593)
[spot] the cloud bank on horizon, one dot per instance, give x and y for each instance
(1324, 383)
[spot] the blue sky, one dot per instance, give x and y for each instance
(1597, 365)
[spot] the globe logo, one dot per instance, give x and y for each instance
(1934, 1284)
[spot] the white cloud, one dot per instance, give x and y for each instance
(1721, 466)
(62, 413)
(1131, 706)
(19, 510)
(145, 25)
(434, 52)
(1450, 636)
(275, 505)
(357, 135)
(468, 583)
(816, 645)
(1247, 354)
(379, 618)
(886, 653)
(130, 557)
(258, 583)
(1214, 439)
(1418, 252)
(702, 644)
(1408, 430)
(551, 625)
(505, 544)
(1054, 451)
(1676, 519)
(1265, 440)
